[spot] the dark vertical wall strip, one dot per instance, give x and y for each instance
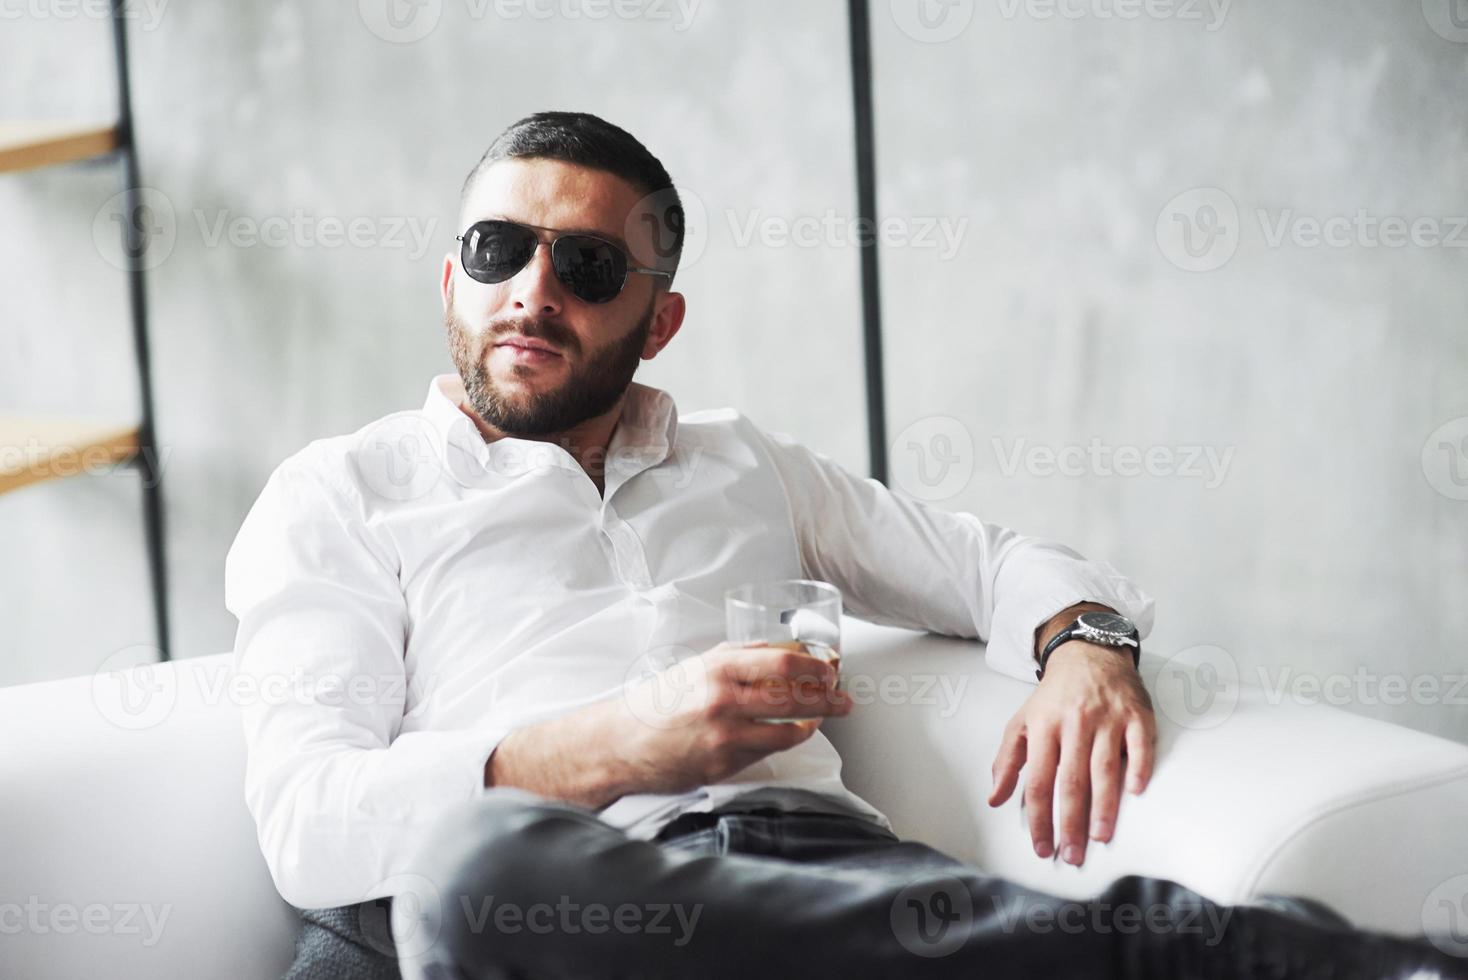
(135, 243)
(866, 190)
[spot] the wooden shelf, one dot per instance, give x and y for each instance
(37, 449)
(27, 145)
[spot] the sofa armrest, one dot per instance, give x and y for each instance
(1248, 797)
(129, 850)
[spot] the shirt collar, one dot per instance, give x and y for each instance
(643, 438)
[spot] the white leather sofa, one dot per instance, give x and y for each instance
(128, 851)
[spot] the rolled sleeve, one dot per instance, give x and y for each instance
(902, 562)
(1043, 579)
(339, 792)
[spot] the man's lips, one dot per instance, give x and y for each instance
(528, 351)
(520, 343)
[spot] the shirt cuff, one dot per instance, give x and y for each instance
(1047, 588)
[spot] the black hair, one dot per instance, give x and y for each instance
(589, 141)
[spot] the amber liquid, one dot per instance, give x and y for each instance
(820, 651)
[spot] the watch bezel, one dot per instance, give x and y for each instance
(1096, 623)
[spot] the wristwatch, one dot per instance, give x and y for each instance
(1103, 628)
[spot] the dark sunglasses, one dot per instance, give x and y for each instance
(593, 269)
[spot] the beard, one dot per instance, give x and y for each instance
(592, 387)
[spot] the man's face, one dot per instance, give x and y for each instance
(596, 347)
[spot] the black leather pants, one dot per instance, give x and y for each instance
(527, 888)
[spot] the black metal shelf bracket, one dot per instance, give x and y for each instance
(135, 245)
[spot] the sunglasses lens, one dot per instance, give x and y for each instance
(592, 269)
(495, 250)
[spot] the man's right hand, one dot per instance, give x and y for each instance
(695, 723)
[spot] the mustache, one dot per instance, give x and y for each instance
(536, 328)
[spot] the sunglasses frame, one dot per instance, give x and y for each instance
(558, 236)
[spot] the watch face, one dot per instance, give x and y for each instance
(1108, 623)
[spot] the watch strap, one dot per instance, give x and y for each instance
(1070, 633)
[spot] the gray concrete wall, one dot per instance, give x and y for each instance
(1330, 534)
(1076, 265)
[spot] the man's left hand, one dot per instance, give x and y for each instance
(1088, 723)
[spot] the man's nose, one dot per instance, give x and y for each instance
(535, 290)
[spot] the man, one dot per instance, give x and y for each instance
(483, 607)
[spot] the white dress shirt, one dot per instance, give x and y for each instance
(409, 594)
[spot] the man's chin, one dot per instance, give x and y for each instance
(520, 392)
(522, 411)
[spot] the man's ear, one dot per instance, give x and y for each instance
(446, 286)
(668, 317)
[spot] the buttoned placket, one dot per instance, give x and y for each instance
(630, 556)
(511, 457)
